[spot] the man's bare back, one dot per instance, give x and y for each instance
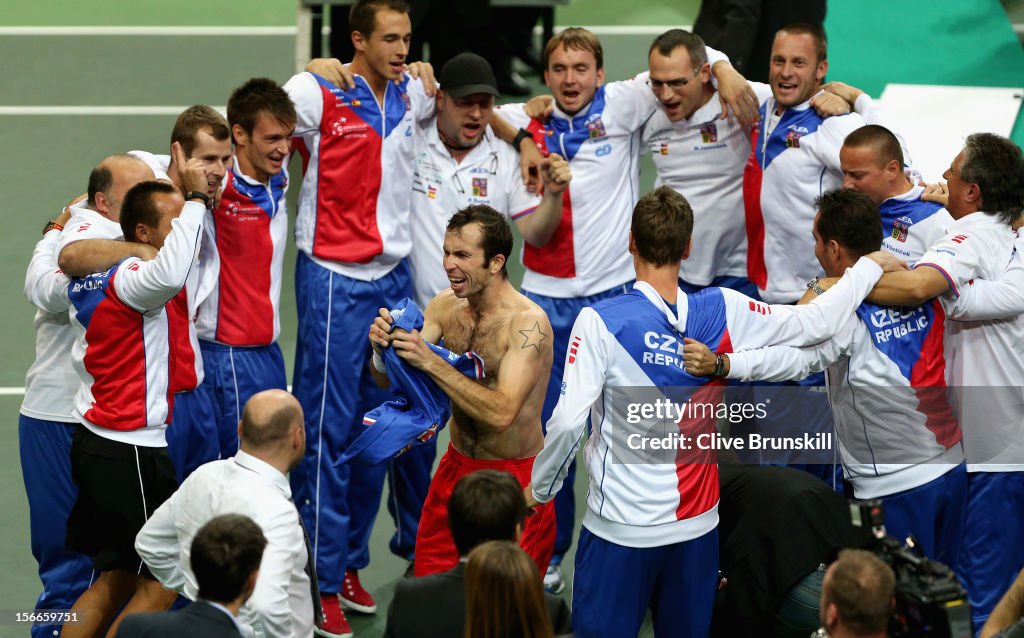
(513, 337)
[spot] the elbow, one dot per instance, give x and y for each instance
(66, 261)
(534, 239)
(918, 295)
(538, 238)
(503, 421)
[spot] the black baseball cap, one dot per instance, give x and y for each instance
(466, 74)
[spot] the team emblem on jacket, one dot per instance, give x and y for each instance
(405, 98)
(901, 228)
(664, 148)
(479, 187)
(431, 192)
(596, 130)
(709, 133)
(792, 139)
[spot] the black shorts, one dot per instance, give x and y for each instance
(119, 487)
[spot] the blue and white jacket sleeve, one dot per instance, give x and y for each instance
(582, 385)
(755, 324)
(784, 363)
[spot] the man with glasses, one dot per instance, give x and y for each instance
(701, 156)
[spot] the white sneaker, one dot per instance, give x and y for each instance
(553, 582)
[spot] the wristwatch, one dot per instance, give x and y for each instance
(719, 366)
(51, 225)
(815, 286)
(198, 195)
(521, 135)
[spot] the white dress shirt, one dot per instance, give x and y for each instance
(281, 605)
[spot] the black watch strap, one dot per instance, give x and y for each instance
(521, 135)
(719, 366)
(198, 195)
(51, 225)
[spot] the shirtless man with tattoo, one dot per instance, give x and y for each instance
(495, 421)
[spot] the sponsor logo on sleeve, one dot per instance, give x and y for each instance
(759, 308)
(574, 349)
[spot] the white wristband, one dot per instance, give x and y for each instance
(378, 363)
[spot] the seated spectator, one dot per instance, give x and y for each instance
(857, 598)
(504, 596)
(226, 555)
(485, 505)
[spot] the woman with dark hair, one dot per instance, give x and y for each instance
(504, 596)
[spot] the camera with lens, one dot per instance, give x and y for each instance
(930, 601)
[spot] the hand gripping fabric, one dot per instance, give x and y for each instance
(420, 409)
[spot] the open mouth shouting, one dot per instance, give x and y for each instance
(458, 283)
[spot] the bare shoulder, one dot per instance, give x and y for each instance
(437, 316)
(441, 306)
(529, 327)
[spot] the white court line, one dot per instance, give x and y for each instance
(268, 31)
(96, 110)
(151, 31)
(600, 30)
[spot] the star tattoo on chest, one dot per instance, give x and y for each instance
(533, 337)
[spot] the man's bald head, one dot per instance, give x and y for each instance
(268, 420)
(111, 179)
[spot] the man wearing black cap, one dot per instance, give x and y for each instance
(459, 162)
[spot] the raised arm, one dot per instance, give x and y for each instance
(46, 286)
(909, 288)
(734, 92)
(148, 285)
(539, 226)
(85, 257)
(527, 359)
(504, 123)
(775, 363)
(754, 324)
